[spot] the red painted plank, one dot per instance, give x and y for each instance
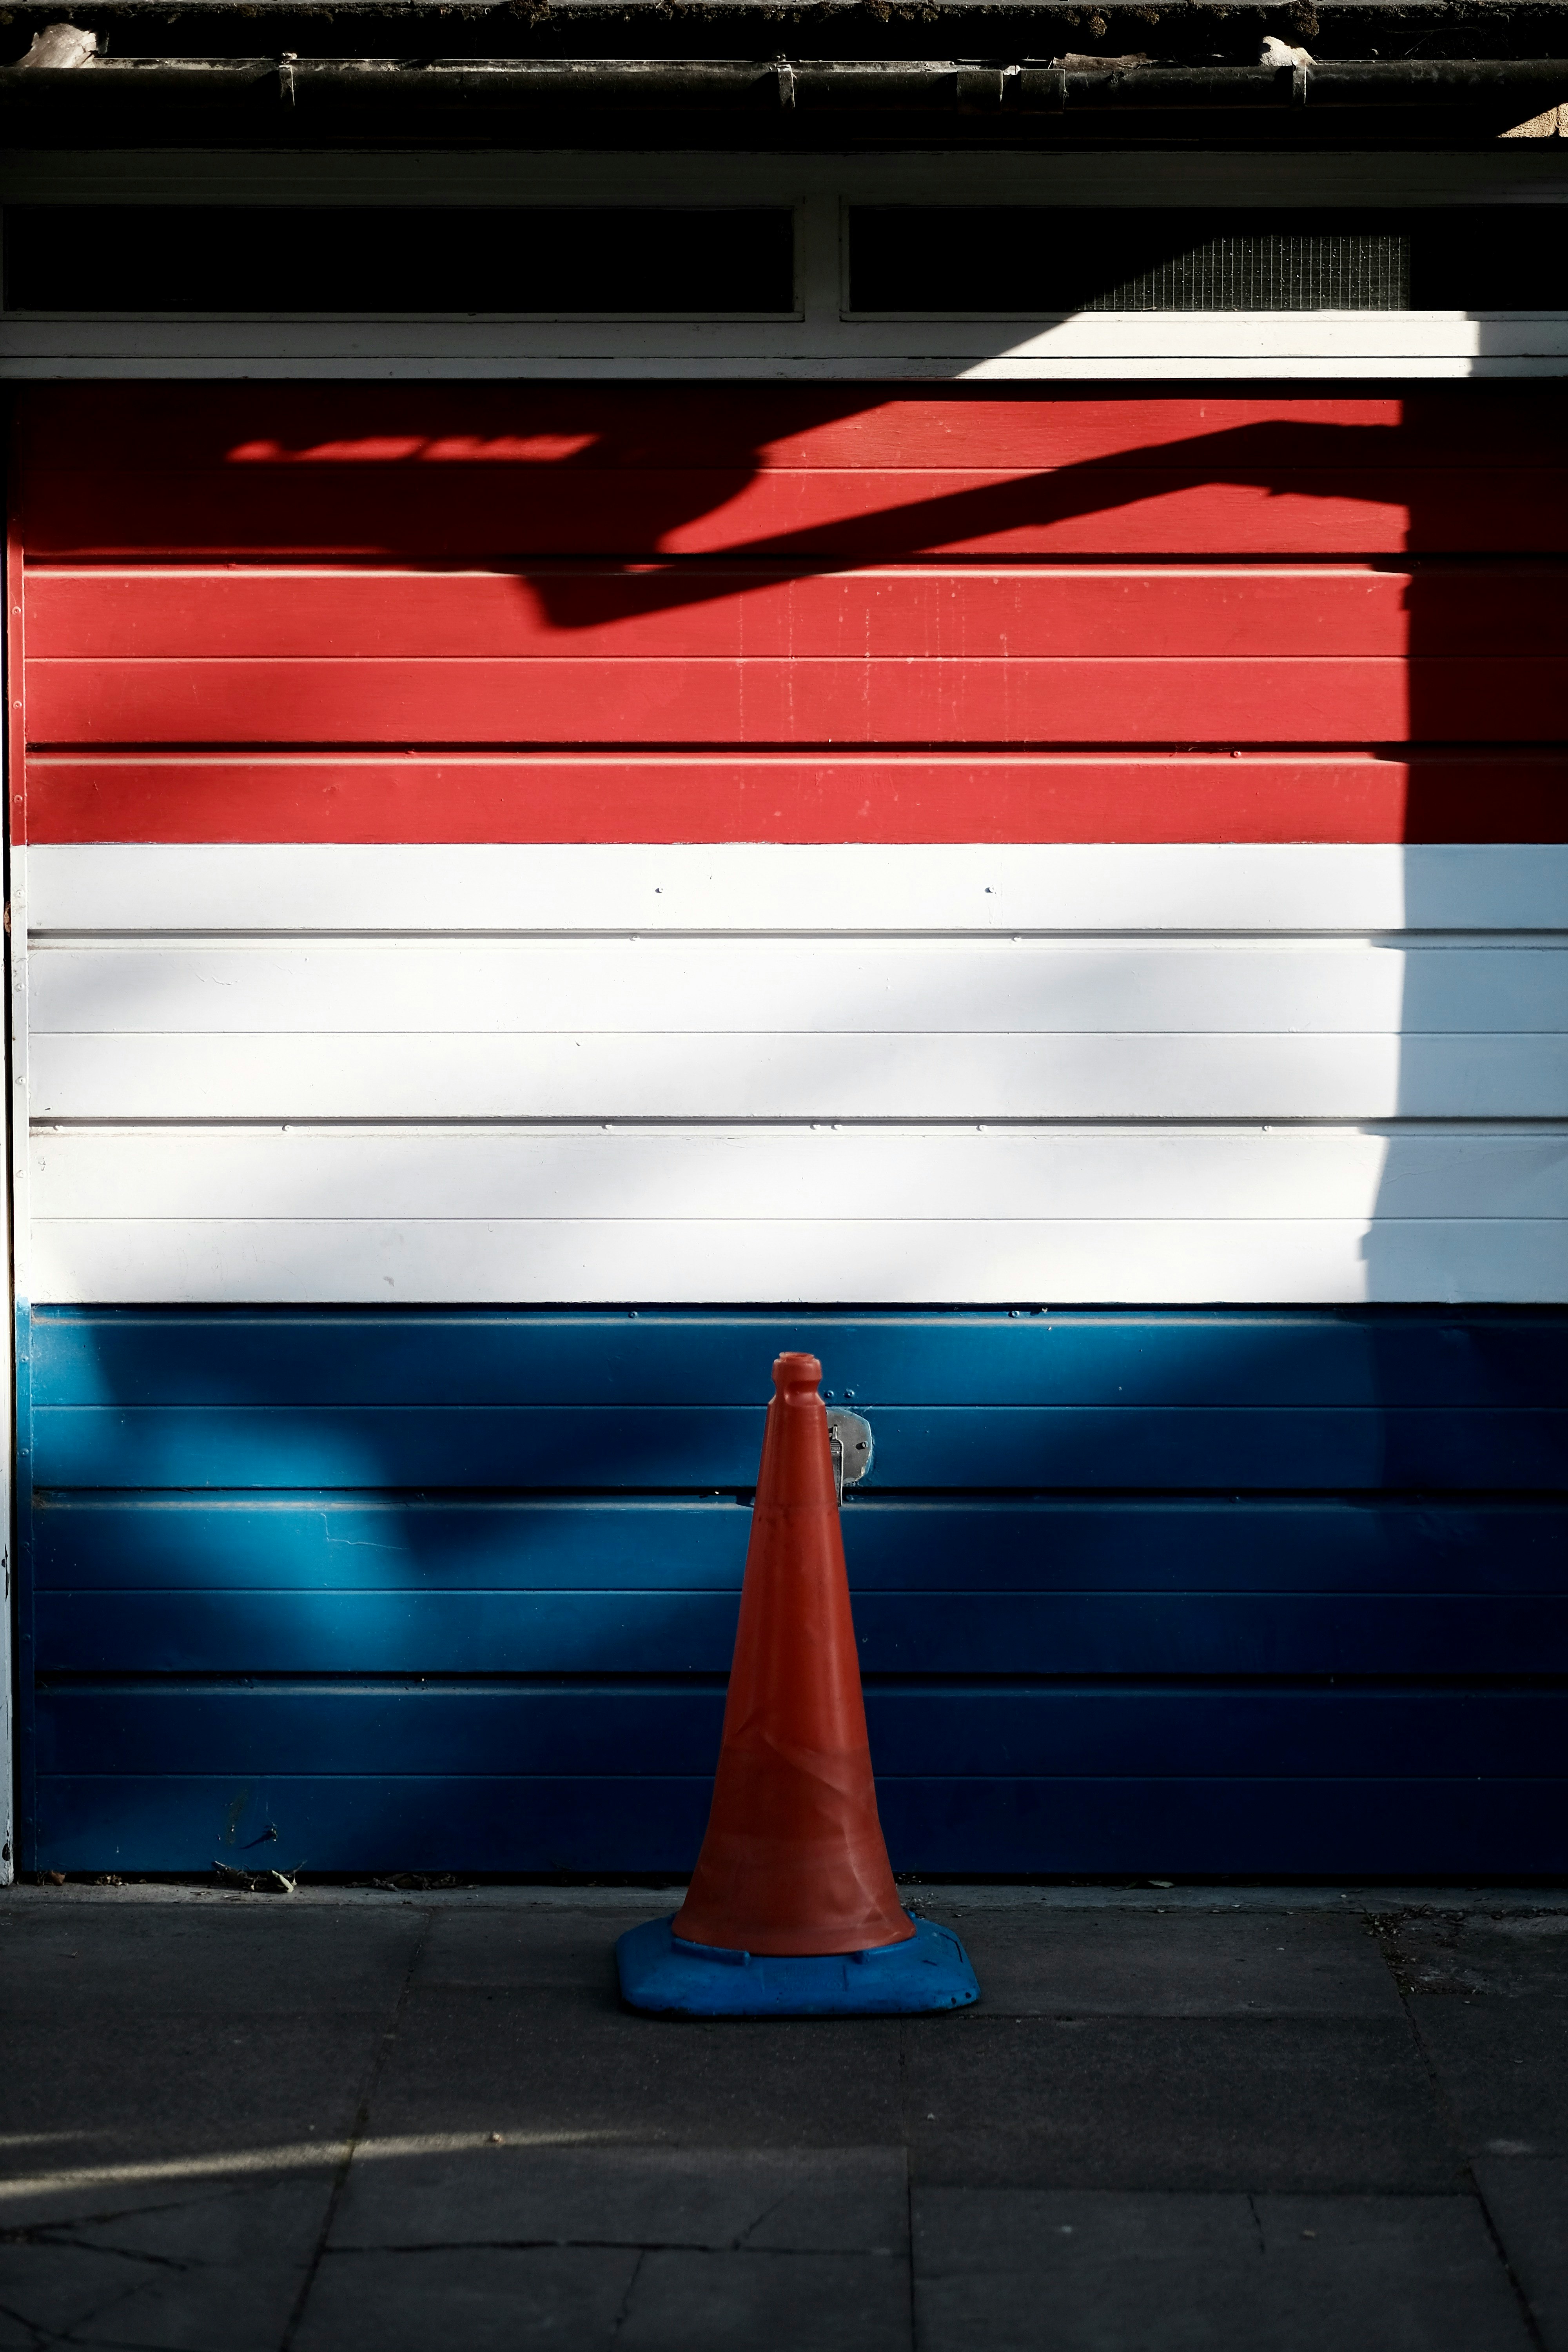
(694, 650)
(687, 610)
(784, 702)
(466, 516)
(705, 797)
(105, 430)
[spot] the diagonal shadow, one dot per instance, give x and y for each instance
(1282, 459)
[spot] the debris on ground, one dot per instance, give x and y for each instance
(254, 1882)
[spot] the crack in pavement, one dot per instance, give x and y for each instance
(621, 2314)
(358, 2130)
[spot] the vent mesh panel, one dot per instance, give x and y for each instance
(1044, 262)
(1271, 273)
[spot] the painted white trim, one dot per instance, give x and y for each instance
(823, 344)
(1155, 345)
(273, 887)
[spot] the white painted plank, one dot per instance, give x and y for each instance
(671, 1174)
(826, 987)
(770, 887)
(824, 1262)
(800, 1077)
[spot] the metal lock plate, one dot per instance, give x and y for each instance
(853, 1448)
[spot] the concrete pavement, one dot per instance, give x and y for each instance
(1212, 2118)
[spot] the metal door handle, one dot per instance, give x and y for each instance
(853, 1448)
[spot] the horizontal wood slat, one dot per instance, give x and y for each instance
(677, 613)
(1383, 1828)
(968, 1633)
(653, 1446)
(1270, 1731)
(291, 425)
(797, 700)
(910, 1261)
(743, 886)
(839, 988)
(789, 1076)
(675, 1173)
(1213, 500)
(1288, 1546)
(1240, 796)
(1410, 1357)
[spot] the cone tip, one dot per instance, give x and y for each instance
(796, 1372)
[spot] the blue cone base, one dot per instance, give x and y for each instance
(661, 1973)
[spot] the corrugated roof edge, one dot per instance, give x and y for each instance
(1178, 32)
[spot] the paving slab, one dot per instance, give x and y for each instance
(1019, 2271)
(1174, 1964)
(473, 2299)
(225, 2268)
(147, 2056)
(1489, 2000)
(1442, 1951)
(1214, 2117)
(559, 1950)
(818, 2201)
(239, 1961)
(49, 2291)
(1166, 2103)
(101, 2120)
(1502, 2068)
(811, 2302)
(577, 2067)
(1527, 2198)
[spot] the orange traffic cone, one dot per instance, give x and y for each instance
(794, 1861)
(791, 1910)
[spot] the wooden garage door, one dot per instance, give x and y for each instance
(527, 902)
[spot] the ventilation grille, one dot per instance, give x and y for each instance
(1358, 272)
(1034, 261)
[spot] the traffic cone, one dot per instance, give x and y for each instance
(793, 1886)
(794, 1861)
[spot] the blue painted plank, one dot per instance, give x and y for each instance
(655, 1446)
(1379, 1355)
(328, 1542)
(979, 1729)
(25, 1660)
(342, 1569)
(1428, 1828)
(971, 1633)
